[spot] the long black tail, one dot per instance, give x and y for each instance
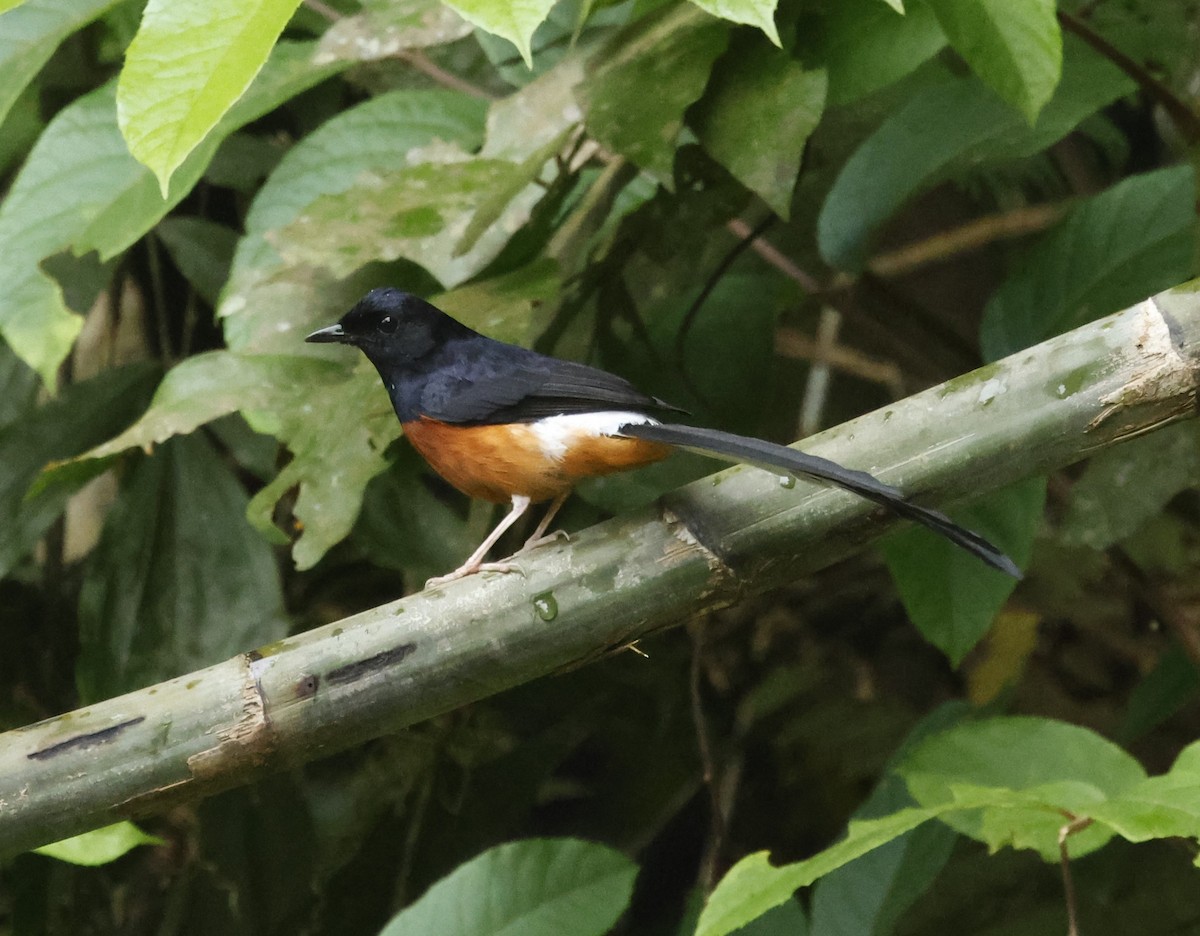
(772, 457)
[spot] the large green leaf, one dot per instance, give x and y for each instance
(868, 895)
(383, 28)
(188, 63)
(753, 885)
(1123, 487)
(671, 51)
(305, 402)
(418, 213)
(207, 386)
(537, 887)
(202, 250)
(1015, 46)
(950, 595)
(867, 46)
(268, 305)
(80, 190)
(1120, 246)
(514, 20)
(30, 34)
(1035, 769)
(18, 386)
(944, 129)
(83, 415)
(760, 13)
(178, 580)
(757, 117)
(337, 437)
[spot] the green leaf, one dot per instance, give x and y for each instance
(100, 846)
(187, 65)
(787, 919)
(1123, 487)
(1114, 249)
(671, 51)
(83, 415)
(760, 13)
(897, 5)
(1159, 807)
(203, 251)
(867, 46)
(81, 190)
(403, 524)
(869, 894)
(753, 886)
(514, 20)
(757, 117)
(506, 307)
(1164, 691)
(207, 386)
(338, 438)
(947, 128)
(950, 595)
(1015, 46)
(537, 887)
(1033, 769)
(29, 35)
(383, 28)
(268, 306)
(416, 213)
(178, 580)
(18, 387)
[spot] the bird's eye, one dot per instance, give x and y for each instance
(387, 324)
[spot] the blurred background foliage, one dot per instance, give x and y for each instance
(776, 216)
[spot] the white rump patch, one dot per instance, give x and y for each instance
(556, 433)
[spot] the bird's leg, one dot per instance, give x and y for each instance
(520, 504)
(539, 537)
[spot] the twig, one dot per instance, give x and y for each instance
(776, 259)
(424, 64)
(414, 57)
(1186, 121)
(744, 240)
(712, 781)
(816, 387)
(973, 235)
(793, 343)
(1076, 824)
(324, 9)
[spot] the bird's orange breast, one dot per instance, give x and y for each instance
(495, 462)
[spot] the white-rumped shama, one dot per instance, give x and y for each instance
(510, 425)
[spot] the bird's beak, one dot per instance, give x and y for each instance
(328, 333)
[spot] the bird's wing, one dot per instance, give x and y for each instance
(528, 387)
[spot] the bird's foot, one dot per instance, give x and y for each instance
(558, 536)
(471, 568)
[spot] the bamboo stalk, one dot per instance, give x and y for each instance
(708, 544)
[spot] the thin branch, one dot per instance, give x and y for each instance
(1076, 824)
(323, 9)
(704, 546)
(414, 57)
(711, 775)
(427, 66)
(968, 237)
(1186, 120)
(710, 283)
(776, 259)
(816, 387)
(793, 343)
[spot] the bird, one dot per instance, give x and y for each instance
(511, 425)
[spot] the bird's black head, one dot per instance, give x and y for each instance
(393, 328)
